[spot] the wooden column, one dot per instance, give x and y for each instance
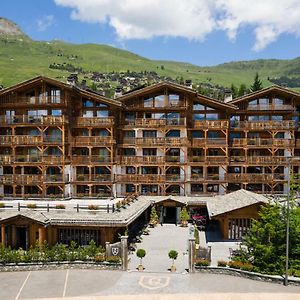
(3, 235)
(42, 235)
(13, 236)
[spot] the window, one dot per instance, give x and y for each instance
(129, 116)
(174, 152)
(196, 188)
(173, 133)
(198, 117)
(277, 118)
(98, 104)
(278, 101)
(213, 188)
(87, 103)
(55, 96)
(102, 132)
(129, 152)
(149, 133)
(149, 170)
(212, 117)
(159, 101)
(235, 135)
(212, 135)
(102, 113)
(149, 152)
(197, 134)
(129, 134)
(130, 170)
(56, 112)
(88, 114)
(148, 102)
(130, 188)
(158, 116)
(174, 100)
(198, 106)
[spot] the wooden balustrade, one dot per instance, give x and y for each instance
(147, 178)
(158, 141)
(175, 178)
(263, 125)
(246, 177)
(26, 179)
(33, 120)
(155, 122)
(56, 178)
(92, 141)
(202, 142)
(269, 107)
(262, 142)
(142, 159)
(20, 140)
(211, 124)
(16, 100)
(105, 122)
(88, 159)
(94, 177)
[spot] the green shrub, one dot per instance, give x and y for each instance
(31, 205)
(2, 205)
(241, 265)
(141, 253)
(60, 206)
(202, 262)
(113, 259)
(93, 207)
(222, 263)
(99, 258)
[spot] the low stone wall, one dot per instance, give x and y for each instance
(247, 274)
(59, 266)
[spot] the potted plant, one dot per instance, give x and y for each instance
(184, 217)
(173, 255)
(60, 206)
(93, 207)
(153, 217)
(140, 253)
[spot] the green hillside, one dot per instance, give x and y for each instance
(21, 58)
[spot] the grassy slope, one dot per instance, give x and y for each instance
(20, 60)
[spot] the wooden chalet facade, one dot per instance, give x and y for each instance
(59, 141)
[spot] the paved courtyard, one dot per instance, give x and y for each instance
(158, 243)
(89, 283)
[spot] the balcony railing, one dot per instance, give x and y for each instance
(270, 107)
(21, 179)
(145, 178)
(170, 105)
(20, 140)
(94, 177)
(254, 178)
(33, 120)
(201, 142)
(17, 100)
(175, 178)
(222, 160)
(92, 141)
(158, 141)
(262, 142)
(263, 125)
(106, 122)
(151, 159)
(88, 159)
(257, 160)
(56, 178)
(206, 124)
(155, 122)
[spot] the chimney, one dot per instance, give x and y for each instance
(72, 79)
(118, 92)
(189, 83)
(1, 87)
(227, 95)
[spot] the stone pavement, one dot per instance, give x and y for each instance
(157, 245)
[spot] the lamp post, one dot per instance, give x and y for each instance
(287, 224)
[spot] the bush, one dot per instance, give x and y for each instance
(31, 205)
(99, 258)
(93, 207)
(245, 266)
(222, 263)
(60, 206)
(202, 262)
(141, 253)
(2, 205)
(173, 255)
(113, 259)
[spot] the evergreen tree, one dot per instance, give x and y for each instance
(242, 90)
(234, 91)
(257, 84)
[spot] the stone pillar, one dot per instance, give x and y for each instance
(124, 252)
(3, 235)
(192, 252)
(107, 249)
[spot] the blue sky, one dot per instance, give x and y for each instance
(202, 32)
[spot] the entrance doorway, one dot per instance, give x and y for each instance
(170, 215)
(21, 238)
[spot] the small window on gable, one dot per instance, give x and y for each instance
(174, 100)
(102, 113)
(198, 117)
(212, 117)
(278, 101)
(148, 102)
(159, 101)
(87, 103)
(99, 104)
(198, 106)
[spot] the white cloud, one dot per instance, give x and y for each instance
(45, 22)
(191, 19)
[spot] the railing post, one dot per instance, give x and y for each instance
(19, 206)
(113, 208)
(48, 208)
(77, 207)
(107, 208)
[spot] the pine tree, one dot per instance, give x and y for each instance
(257, 84)
(242, 90)
(234, 91)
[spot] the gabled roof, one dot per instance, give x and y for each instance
(271, 89)
(236, 200)
(29, 214)
(176, 87)
(41, 79)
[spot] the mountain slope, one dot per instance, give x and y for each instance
(22, 58)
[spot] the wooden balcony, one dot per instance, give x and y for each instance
(206, 124)
(94, 178)
(15, 100)
(100, 122)
(140, 178)
(82, 141)
(150, 123)
(143, 160)
(92, 195)
(32, 120)
(175, 178)
(156, 142)
(20, 140)
(262, 143)
(21, 179)
(253, 178)
(56, 178)
(166, 106)
(90, 159)
(268, 107)
(258, 160)
(201, 142)
(220, 160)
(266, 125)
(52, 159)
